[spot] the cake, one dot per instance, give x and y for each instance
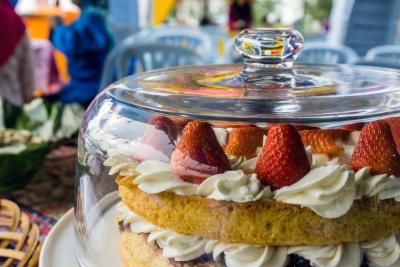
(280, 195)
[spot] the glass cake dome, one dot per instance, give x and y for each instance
(266, 163)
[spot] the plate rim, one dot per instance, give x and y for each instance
(59, 227)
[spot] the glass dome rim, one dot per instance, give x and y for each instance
(149, 93)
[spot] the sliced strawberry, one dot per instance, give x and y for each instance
(376, 149)
(283, 160)
(244, 141)
(394, 124)
(198, 154)
(353, 127)
(325, 141)
(160, 135)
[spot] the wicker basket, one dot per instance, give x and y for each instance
(19, 238)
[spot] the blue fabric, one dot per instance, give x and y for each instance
(14, 2)
(94, 3)
(86, 44)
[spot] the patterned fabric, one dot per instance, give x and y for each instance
(46, 198)
(45, 223)
(16, 75)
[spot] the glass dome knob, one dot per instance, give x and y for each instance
(269, 48)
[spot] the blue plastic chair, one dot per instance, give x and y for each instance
(217, 36)
(123, 18)
(377, 63)
(371, 23)
(153, 55)
(185, 37)
(387, 53)
(109, 74)
(231, 53)
(324, 53)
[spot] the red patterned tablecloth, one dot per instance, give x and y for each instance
(46, 198)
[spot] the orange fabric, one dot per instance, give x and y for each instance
(38, 27)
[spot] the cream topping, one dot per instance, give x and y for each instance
(328, 190)
(343, 255)
(391, 189)
(239, 255)
(156, 177)
(121, 162)
(233, 186)
(173, 245)
(350, 144)
(369, 185)
(319, 160)
(177, 246)
(241, 163)
(382, 253)
(381, 185)
(185, 248)
(222, 136)
(136, 223)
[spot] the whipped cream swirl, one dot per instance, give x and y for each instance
(382, 253)
(156, 177)
(173, 245)
(233, 186)
(381, 185)
(343, 255)
(136, 223)
(319, 160)
(121, 162)
(350, 144)
(177, 246)
(328, 190)
(391, 189)
(241, 163)
(185, 248)
(369, 185)
(238, 255)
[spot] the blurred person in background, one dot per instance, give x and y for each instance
(16, 66)
(86, 44)
(240, 15)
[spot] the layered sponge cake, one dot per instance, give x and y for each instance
(196, 194)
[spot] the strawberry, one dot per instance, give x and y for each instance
(180, 123)
(198, 154)
(283, 160)
(244, 141)
(300, 127)
(353, 127)
(325, 141)
(376, 149)
(158, 139)
(166, 125)
(234, 126)
(394, 124)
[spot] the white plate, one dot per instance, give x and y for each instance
(58, 247)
